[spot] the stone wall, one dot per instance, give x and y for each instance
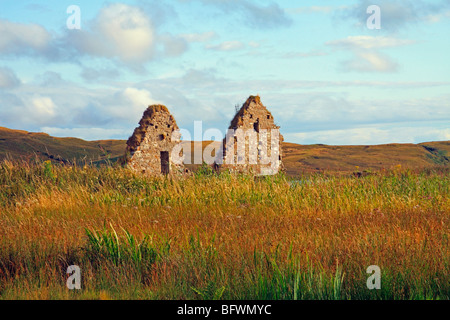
(254, 125)
(156, 137)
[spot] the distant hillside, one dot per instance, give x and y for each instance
(298, 159)
(28, 145)
(359, 158)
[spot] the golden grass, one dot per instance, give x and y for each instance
(266, 238)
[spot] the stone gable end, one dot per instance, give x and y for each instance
(149, 149)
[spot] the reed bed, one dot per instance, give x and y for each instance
(224, 236)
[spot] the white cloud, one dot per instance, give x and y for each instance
(119, 31)
(290, 55)
(173, 45)
(8, 79)
(380, 134)
(43, 106)
(91, 74)
(128, 104)
(87, 133)
(366, 55)
(33, 111)
(17, 38)
(369, 42)
(126, 34)
(434, 18)
(397, 14)
(309, 106)
(269, 16)
(227, 46)
(370, 61)
(139, 97)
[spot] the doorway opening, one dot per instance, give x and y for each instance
(165, 167)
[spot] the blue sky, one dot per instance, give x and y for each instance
(324, 75)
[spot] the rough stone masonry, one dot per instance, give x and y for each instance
(252, 145)
(149, 149)
(253, 142)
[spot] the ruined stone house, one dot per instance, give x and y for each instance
(254, 143)
(149, 149)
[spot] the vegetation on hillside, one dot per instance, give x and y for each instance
(23, 145)
(298, 159)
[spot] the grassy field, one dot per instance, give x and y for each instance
(222, 237)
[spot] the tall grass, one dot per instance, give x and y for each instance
(222, 236)
(106, 245)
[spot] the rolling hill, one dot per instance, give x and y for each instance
(17, 144)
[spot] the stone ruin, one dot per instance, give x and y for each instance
(149, 149)
(252, 145)
(248, 146)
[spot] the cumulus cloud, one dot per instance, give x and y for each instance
(397, 14)
(50, 79)
(160, 12)
(307, 107)
(11, 116)
(126, 34)
(8, 78)
(266, 17)
(331, 110)
(43, 106)
(173, 45)
(139, 97)
(42, 110)
(93, 74)
(374, 134)
(269, 16)
(366, 54)
(114, 108)
(28, 111)
(39, 102)
(119, 31)
(23, 39)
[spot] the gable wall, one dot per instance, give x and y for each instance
(160, 133)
